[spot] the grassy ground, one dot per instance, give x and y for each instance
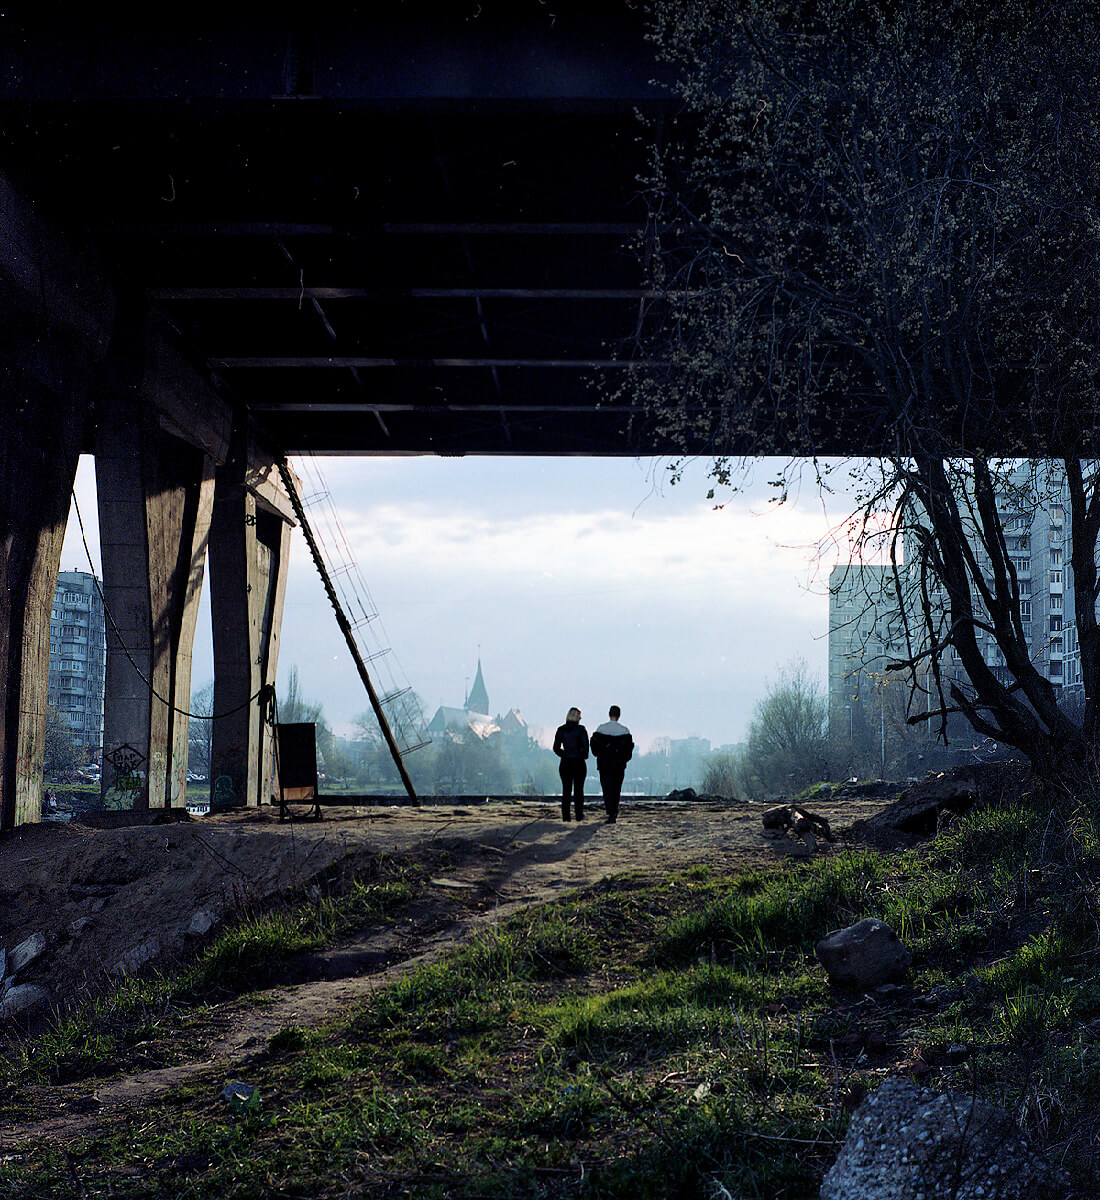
(652, 1037)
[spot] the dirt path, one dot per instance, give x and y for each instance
(130, 895)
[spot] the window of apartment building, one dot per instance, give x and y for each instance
(1056, 557)
(1056, 577)
(1025, 610)
(1057, 513)
(1055, 625)
(1055, 602)
(1025, 587)
(1056, 645)
(1055, 667)
(1022, 564)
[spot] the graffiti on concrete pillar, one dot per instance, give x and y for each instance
(127, 779)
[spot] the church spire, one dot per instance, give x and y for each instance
(478, 699)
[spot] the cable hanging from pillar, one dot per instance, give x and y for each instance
(397, 711)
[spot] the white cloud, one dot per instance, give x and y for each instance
(578, 579)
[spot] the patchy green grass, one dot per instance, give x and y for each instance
(651, 1037)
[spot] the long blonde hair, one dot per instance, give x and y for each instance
(574, 714)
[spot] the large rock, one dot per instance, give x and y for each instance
(905, 1141)
(863, 955)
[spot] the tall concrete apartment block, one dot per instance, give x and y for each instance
(78, 655)
(865, 633)
(865, 613)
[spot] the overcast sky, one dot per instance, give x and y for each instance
(579, 581)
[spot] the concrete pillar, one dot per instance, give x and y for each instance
(249, 556)
(155, 498)
(41, 433)
(56, 314)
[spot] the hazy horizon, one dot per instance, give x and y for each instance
(584, 582)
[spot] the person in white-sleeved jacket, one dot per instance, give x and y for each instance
(613, 747)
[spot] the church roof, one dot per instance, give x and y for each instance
(478, 699)
(446, 717)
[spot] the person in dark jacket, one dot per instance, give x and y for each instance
(571, 747)
(613, 747)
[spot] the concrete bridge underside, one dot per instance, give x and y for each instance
(418, 230)
(223, 241)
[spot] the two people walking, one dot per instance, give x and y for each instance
(613, 747)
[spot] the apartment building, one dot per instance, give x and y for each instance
(78, 656)
(865, 624)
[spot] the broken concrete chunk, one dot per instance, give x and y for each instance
(28, 950)
(863, 955)
(77, 927)
(22, 999)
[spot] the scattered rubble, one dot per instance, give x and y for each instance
(806, 825)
